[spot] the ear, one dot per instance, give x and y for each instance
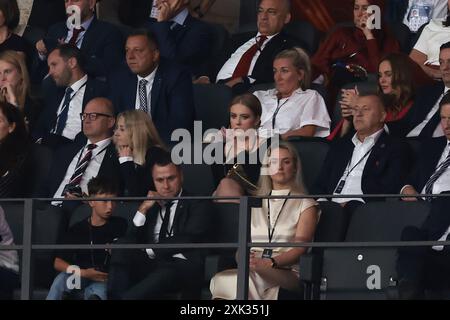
(288, 18)
(156, 56)
(92, 4)
(72, 63)
(383, 116)
(12, 127)
(91, 203)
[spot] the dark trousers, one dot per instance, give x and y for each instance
(8, 282)
(134, 276)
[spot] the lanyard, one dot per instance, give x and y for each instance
(66, 105)
(168, 232)
(274, 117)
(82, 151)
(357, 164)
(269, 231)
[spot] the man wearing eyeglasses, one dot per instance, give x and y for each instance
(78, 162)
(60, 123)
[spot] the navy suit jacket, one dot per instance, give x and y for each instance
(53, 96)
(103, 47)
(172, 101)
(384, 173)
(110, 167)
(189, 44)
(263, 70)
(424, 101)
(429, 156)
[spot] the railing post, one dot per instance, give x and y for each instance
(243, 252)
(25, 293)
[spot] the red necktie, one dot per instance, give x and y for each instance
(243, 66)
(75, 34)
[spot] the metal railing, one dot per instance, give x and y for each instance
(246, 203)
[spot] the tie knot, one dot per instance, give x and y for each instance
(69, 90)
(91, 146)
(168, 205)
(78, 30)
(143, 82)
(261, 39)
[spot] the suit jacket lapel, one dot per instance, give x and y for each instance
(89, 37)
(156, 90)
(373, 161)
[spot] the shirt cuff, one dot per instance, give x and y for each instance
(139, 219)
(125, 159)
(42, 57)
(151, 254)
(179, 256)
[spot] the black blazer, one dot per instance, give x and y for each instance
(429, 156)
(189, 45)
(103, 47)
(192, 224)
(424, 101)
(172, 98)
(385, 171)
(53, 96)
(263, 70)
(109, 167)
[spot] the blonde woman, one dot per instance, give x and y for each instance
(292, 109)
(290, 220)
(137, 142)
(15, 85)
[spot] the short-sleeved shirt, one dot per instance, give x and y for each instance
(433, 36)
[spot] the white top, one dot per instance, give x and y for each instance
(438, 132)
(228, 68)
(150, 79)
(98, 154)
(417, 14)
(433, 36)
(300, 109)
(139, 220)
(73, 124)
(354, 178)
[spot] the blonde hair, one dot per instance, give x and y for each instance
(142, 133)
(301, 61)
(265, 185)
(18, 62)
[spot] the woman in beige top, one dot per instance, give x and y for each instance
(292, 220)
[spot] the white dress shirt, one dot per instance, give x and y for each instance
(438, 132)
(228, 68)
(180, 18)
(150, 79)
(302, 108)
(73, 124)
(139, 220)
(98, 154)
(354, 178)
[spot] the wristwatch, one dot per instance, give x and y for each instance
(274, 263)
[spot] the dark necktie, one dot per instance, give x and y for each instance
(81, 167)
(164, 232)
(75, 34)
(62, 118)
(143, 102)
(243, 66)
(436, 175)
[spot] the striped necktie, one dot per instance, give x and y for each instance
(436, 175)
(82, 164)
(143, 99)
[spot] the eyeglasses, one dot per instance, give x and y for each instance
(93, 116)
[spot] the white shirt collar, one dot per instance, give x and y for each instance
(78, 84)
(100, 145)
(180, 18)
(372, 139)
(150, 77)
(268, 37)
(446, 89)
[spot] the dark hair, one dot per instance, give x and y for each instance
(102, 185)
(163, 159)
(11, 13)
(148, 34)
(67, 51)
(16, 143)
(250, 101)
(288, 4)
(445, 100)
(445, 46)
(402, 79)
(378, 96)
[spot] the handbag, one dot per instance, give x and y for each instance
(237, 173)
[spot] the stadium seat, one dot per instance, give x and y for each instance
(41, 161)
(306, 33)
(365, 273)
(312, 152)
(211, 105)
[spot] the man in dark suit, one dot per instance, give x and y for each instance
(422, 120)
(249, 61)
(153, 273)
(160, 88)
(181, 37)
(426, 267)
(66, 97)
(77, 163)
(370, 162)
(100, 42)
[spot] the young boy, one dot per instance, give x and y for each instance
(99, 228)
